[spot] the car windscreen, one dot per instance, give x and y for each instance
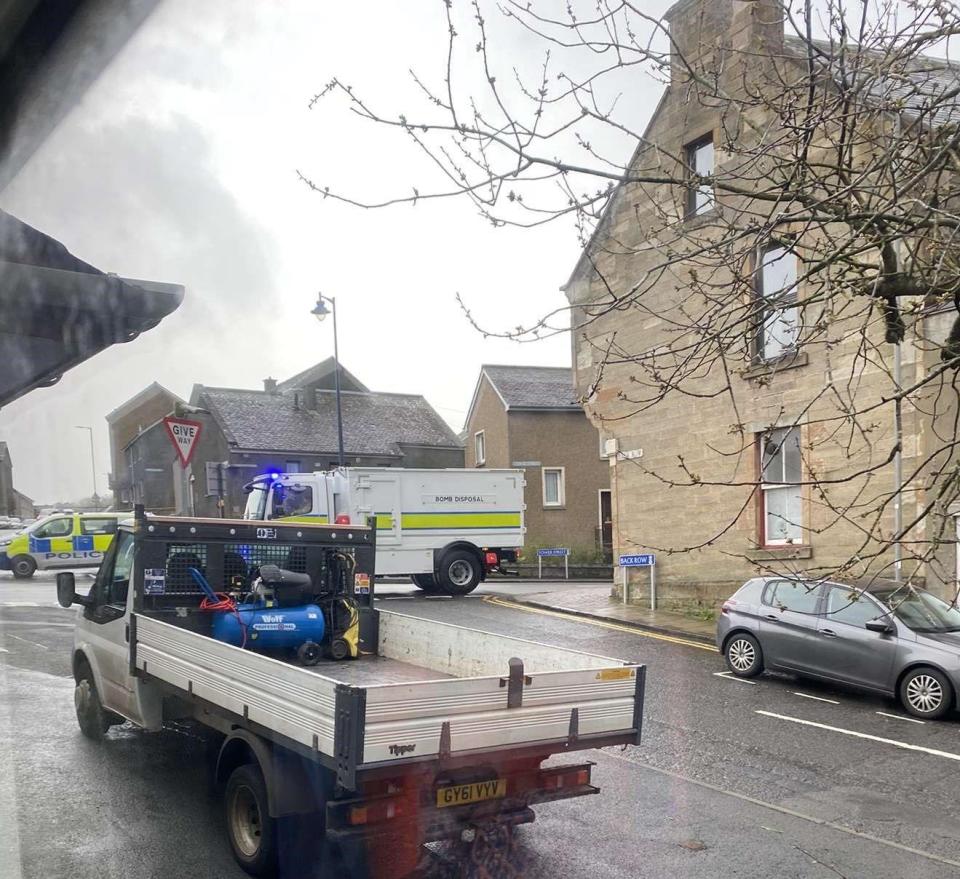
(921, 610)
(256, 501)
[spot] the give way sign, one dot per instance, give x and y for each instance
(184, 435)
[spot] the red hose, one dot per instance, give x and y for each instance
(225, 604)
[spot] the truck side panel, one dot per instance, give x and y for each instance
(280, 697)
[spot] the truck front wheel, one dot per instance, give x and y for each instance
(92, 718)
(252, 832)
(459, 572)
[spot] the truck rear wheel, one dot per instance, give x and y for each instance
(426, 582)
(459, 572)
(252, 832)
(23, 567)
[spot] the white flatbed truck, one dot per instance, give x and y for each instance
(435, 732)
(446, 529)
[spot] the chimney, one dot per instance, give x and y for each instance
(710, 34)
(270, 385)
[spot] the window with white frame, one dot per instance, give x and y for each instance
(479, 448)
(700, 158)
(778, 326)
(553, 487)
(780, 489)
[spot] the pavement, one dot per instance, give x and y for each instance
(776, 777)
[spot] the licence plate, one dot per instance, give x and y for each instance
(461, 794)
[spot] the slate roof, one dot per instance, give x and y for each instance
(922, 87)
(320, 371)
(533, 387)
(373, 423)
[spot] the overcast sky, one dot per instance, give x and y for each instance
(180, 165)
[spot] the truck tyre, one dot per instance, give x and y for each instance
(23, 567)
(252, 832)
(459, 572)
(93, 718)
(426, 582)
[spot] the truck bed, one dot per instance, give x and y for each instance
(369, 670)
(435, 690)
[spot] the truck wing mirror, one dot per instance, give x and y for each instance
(67, 590)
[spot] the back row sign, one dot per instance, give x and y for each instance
(644, 560)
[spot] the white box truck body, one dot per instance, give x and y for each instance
(444, 528)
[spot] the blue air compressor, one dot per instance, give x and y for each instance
(278, 615)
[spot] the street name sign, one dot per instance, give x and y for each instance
(184, 435)
(551, 552)
(643, 560)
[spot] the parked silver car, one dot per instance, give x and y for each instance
(885, 637)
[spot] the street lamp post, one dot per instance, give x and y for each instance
(93, 465)
(320, 311)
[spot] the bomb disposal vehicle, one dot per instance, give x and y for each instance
(446, 529)
(369, 732)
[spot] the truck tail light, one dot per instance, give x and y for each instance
(342, 519)
(569, 778)
(491, 559)
(374, 812)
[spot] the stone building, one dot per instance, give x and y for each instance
(288, 426)
(728, 487)
(529, 417)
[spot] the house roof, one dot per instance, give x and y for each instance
(154, 389)
(320, 371)
(917, 86)
(529, 387)
(373, 423)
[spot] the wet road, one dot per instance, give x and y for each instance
(774, 778)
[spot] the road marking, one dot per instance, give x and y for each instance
(900, 717)
(817, 698)
(28, 641)
(571, 617)
(783, 810)
(4, 650)
(949, 755)
(727, 676)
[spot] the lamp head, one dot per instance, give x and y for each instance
(320, 310)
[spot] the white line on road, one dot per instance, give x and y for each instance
(900, 717)
(729, 677)
(4, 650)
(783, 810)
(816, 698)
(949, 755)
(28, 641)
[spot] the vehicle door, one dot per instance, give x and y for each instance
(51, 545)
(378, 494)
(94, 537)
(788, 622)
(106, 628)
(846, 649)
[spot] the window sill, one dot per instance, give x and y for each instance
(695, 221)
(780, 553)
(554, 506)
(770, 368)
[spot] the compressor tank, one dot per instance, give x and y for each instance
(270, 628)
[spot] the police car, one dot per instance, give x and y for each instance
(61, 540)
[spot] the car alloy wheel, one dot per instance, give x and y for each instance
(742, 654)
(924, 693)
